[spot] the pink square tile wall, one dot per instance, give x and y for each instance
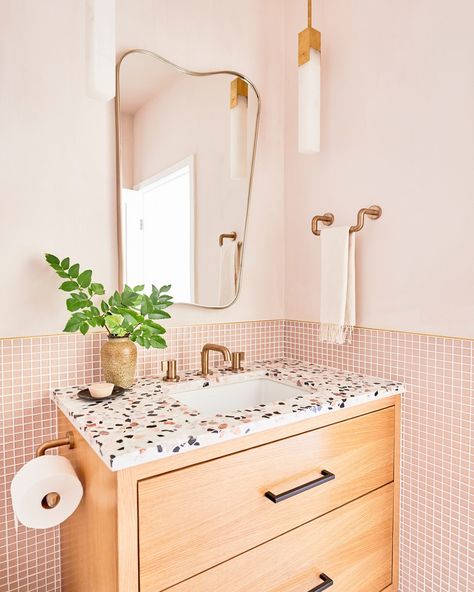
(29, 369)
(437, 501)
(437, 443)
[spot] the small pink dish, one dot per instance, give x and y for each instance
(100, 390)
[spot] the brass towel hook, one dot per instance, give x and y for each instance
(327, 219)
(232, 235)
(374, 212)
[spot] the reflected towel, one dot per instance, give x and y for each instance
(227, 255)
(337, 314)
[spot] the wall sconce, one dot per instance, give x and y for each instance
(100, 49)
(309, 88)
(239, 92)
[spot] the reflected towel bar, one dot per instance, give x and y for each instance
(238, 263)
(374, 212)
(231, 235)
(238, 254)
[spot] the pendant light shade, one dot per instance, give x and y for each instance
(100, 49)
(309, 93)
(309, 88)
(239, 91)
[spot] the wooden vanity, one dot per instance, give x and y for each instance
(308, 506)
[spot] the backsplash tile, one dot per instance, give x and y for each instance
(437, 499)
(437, 443)
(30, 368)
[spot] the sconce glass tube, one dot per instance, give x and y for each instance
(309, 88)
(100, 49)
(238, 128)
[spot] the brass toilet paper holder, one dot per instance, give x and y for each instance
(51, 500)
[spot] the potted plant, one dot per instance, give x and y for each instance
(129, 317)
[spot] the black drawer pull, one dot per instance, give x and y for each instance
(326, 583)
(279, 497)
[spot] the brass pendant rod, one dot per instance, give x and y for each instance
(308, 39)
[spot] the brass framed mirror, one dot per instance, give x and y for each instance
(185, 145)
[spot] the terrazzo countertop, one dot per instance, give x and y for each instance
(147, 423)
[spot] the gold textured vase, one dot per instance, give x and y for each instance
(119, 361)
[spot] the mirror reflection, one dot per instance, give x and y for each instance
(185, 146)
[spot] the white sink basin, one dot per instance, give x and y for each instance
(237, 396)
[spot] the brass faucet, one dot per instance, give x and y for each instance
(205, 356)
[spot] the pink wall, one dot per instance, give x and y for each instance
(398, 131)
(57, 171)
(62, 198)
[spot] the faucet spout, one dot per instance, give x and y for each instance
(208, 347)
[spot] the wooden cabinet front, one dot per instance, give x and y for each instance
(352, 546)
(197, 517)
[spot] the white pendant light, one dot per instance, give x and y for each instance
(309, 88)
(100, 49)
(239, 92)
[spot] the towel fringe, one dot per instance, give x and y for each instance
(332, 333)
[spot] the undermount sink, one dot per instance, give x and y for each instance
(237, 396)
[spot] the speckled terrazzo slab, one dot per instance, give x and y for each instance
(147, 423)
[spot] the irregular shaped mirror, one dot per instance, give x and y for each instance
(185, 151)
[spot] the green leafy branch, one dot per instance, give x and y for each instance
(129, 313)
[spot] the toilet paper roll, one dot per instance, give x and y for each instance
(34, 481)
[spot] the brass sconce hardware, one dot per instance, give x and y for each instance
(169, 366)
(327, 219)
(238, 87)
(308, 39)
(236, 360)
(232, 235)
(374, 212)
(51, 500)
(68, 441)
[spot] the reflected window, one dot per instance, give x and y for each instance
(158, 228)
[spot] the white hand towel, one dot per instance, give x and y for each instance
(337, 285)
(226, 289)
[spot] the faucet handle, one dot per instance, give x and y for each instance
(169, 366)
(237, 358)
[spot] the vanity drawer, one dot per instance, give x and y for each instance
(352, 546)
(194, 518)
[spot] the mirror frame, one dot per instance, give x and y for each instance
(118, 151)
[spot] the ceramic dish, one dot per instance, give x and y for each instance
(86, 396)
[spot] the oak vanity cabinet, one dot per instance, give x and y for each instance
(303, 507)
